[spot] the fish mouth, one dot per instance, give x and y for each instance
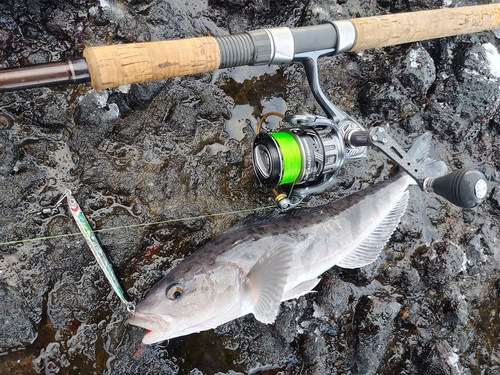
(157, 326)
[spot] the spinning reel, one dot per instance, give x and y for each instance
(308, 154)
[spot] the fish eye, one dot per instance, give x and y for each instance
(174, 292)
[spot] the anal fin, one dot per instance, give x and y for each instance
(371, 247)
(301, 289)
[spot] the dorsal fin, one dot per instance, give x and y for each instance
(371, 247)
(261, 218)
(257, 219)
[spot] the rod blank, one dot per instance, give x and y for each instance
(44, 75)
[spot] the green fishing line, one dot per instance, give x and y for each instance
(292, 160)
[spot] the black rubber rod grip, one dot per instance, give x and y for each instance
(465, 188)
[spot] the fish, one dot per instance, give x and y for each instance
(257, 264)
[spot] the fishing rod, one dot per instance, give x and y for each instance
(308, 154)
(124, 64)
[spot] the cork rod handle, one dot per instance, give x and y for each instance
(123, 64)
(390, 30)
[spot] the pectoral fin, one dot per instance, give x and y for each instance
(268, 279)
(371, 247)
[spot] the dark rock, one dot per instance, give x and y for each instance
(419, 72)
(471, 89)
(55, 114)
(8, 154)
(383, 97)
(74, 298)
(371, 331)
(140, 96)
(439, 263)
(496, 197)
(436, 358)
(17, 329)
(450, 312)
(333, 299)
(165, 151)
(121, 249)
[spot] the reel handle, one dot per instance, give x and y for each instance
(465, 187)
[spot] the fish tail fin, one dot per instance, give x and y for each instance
(420, 153)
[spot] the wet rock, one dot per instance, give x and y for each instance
(65, 22)
(439, 263)
(8, 26)
(121, 249)
(55, 113)
(406, 277)
(9, 34)
(126, 26)
(159, 151)
(287, 322)
(386, 98)
(75, 298)
(419, 72)
(83, 342)
(244, 15)
(333, 299)
(474, 251)
(437, 358)
(48, 360)
(60, 21)
(372, 328)
(97, 120)
(8, 154)
(6, 121)
(140, 96)
(17, 329)
(320, 356)
(496, 197)
(147, 360)
(271, 350)
(469, 89)
(414, 123)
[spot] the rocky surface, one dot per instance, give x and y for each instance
(180, 148)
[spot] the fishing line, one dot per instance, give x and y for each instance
(292, 160)
(290, 155)
(36, 239)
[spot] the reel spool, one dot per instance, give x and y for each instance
(305, 155)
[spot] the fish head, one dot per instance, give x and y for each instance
(187, 301)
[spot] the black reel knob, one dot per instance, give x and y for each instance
(465, 188)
